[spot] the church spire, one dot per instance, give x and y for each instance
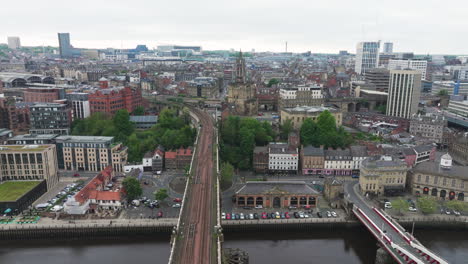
(240, 69)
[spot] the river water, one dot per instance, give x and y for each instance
(341, 246)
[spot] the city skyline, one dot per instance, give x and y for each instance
(319, 27)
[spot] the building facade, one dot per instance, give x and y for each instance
(111, 100)
(403, 93)
(42, 95)
(382, 175)
(379, 78)
(89, 153)
(312, 160)
(430, 127)
(207, 87)
(273, 194)
(367, 56)
(338, 162)
(79, 105)
(50, 118)
(458, 149)
(29, 162)
(64, 45)
(298, 114)
(242, 93)
(14, 43)
(417, 65)
(260, 159)
(282, 158)
(310, 95)
(440, 179)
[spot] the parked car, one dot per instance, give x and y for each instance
(287, 215)
(223, 216)
(412, 209)
(301, 214)
(319, 214)
(456, 213)
(264, 215)
(255, 215)
(238, 217)
(333, 213)
(306, 215)
(273, 216)
(160, 214)
(388, 205)
(177, 200)
(258, 206)
(177, 205)
(291, 207)
(56, 208)
(268, 215)
(277, 215)
(282, 216)
(296, 215)
(228, 216)
(329, 214)
(241, 216)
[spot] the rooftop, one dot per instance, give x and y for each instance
(279, 187)
(34, 136)
(144, 119)
(433, 168)
(313, 151)
(85, 139)
(311, 109)
(16, 148)
(13, 190)
(383, 163)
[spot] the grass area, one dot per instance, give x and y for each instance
(12, 190)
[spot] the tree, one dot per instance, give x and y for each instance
(139, 110)
(442, 92)
(456, 205)
(124, 127)
(309, 133)
(286, 128)
(427, 205)
(400, 205)
(132, 188)
(272, 82)
(227, 172)
(161, 194)
(381, 108)
(326, 125)
(247, 145)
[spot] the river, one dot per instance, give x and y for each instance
(341, 246)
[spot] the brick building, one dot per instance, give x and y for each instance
(113, 99)
(312, 160)
(43, 95)
(13, 117)
(178, 159)
(260, 159)
(273, 194)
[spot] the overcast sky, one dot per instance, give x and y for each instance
(430, 26)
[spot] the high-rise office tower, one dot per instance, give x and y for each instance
(418, 65)
(367, 56)
(14, 43)
(64, 43)
(403, 93)
(388, 47)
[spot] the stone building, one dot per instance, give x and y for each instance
(382, 175)
(310, 95)
(312, 160)
(440, 179)
(260, 159)
(338, 162)
(207, 87)
(298, 114)
(458, 149)
(332, 188)
(282, 158)
(276, 194)
(430, 127)
(242, 94)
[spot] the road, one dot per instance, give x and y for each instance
(366, 206)
(195, 243)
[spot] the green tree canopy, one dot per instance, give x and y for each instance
(309, 132)
(442, 92)
(272, 82)
(286, 128)
(227, 173)
(139, 110)
(122, 124)
(427, 205)
(132, 188)
(456, 205)
(400, 205)
(161, 194)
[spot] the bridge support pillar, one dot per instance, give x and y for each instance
(382, 257)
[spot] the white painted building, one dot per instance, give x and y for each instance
(282, 158)
(367, 56)
(403, 93)
(315, 91)
(418, 65)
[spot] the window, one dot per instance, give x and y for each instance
(444, 181)
(427, 178)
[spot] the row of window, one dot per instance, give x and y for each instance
(444, 181)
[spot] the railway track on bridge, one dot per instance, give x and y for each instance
(195, 235)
